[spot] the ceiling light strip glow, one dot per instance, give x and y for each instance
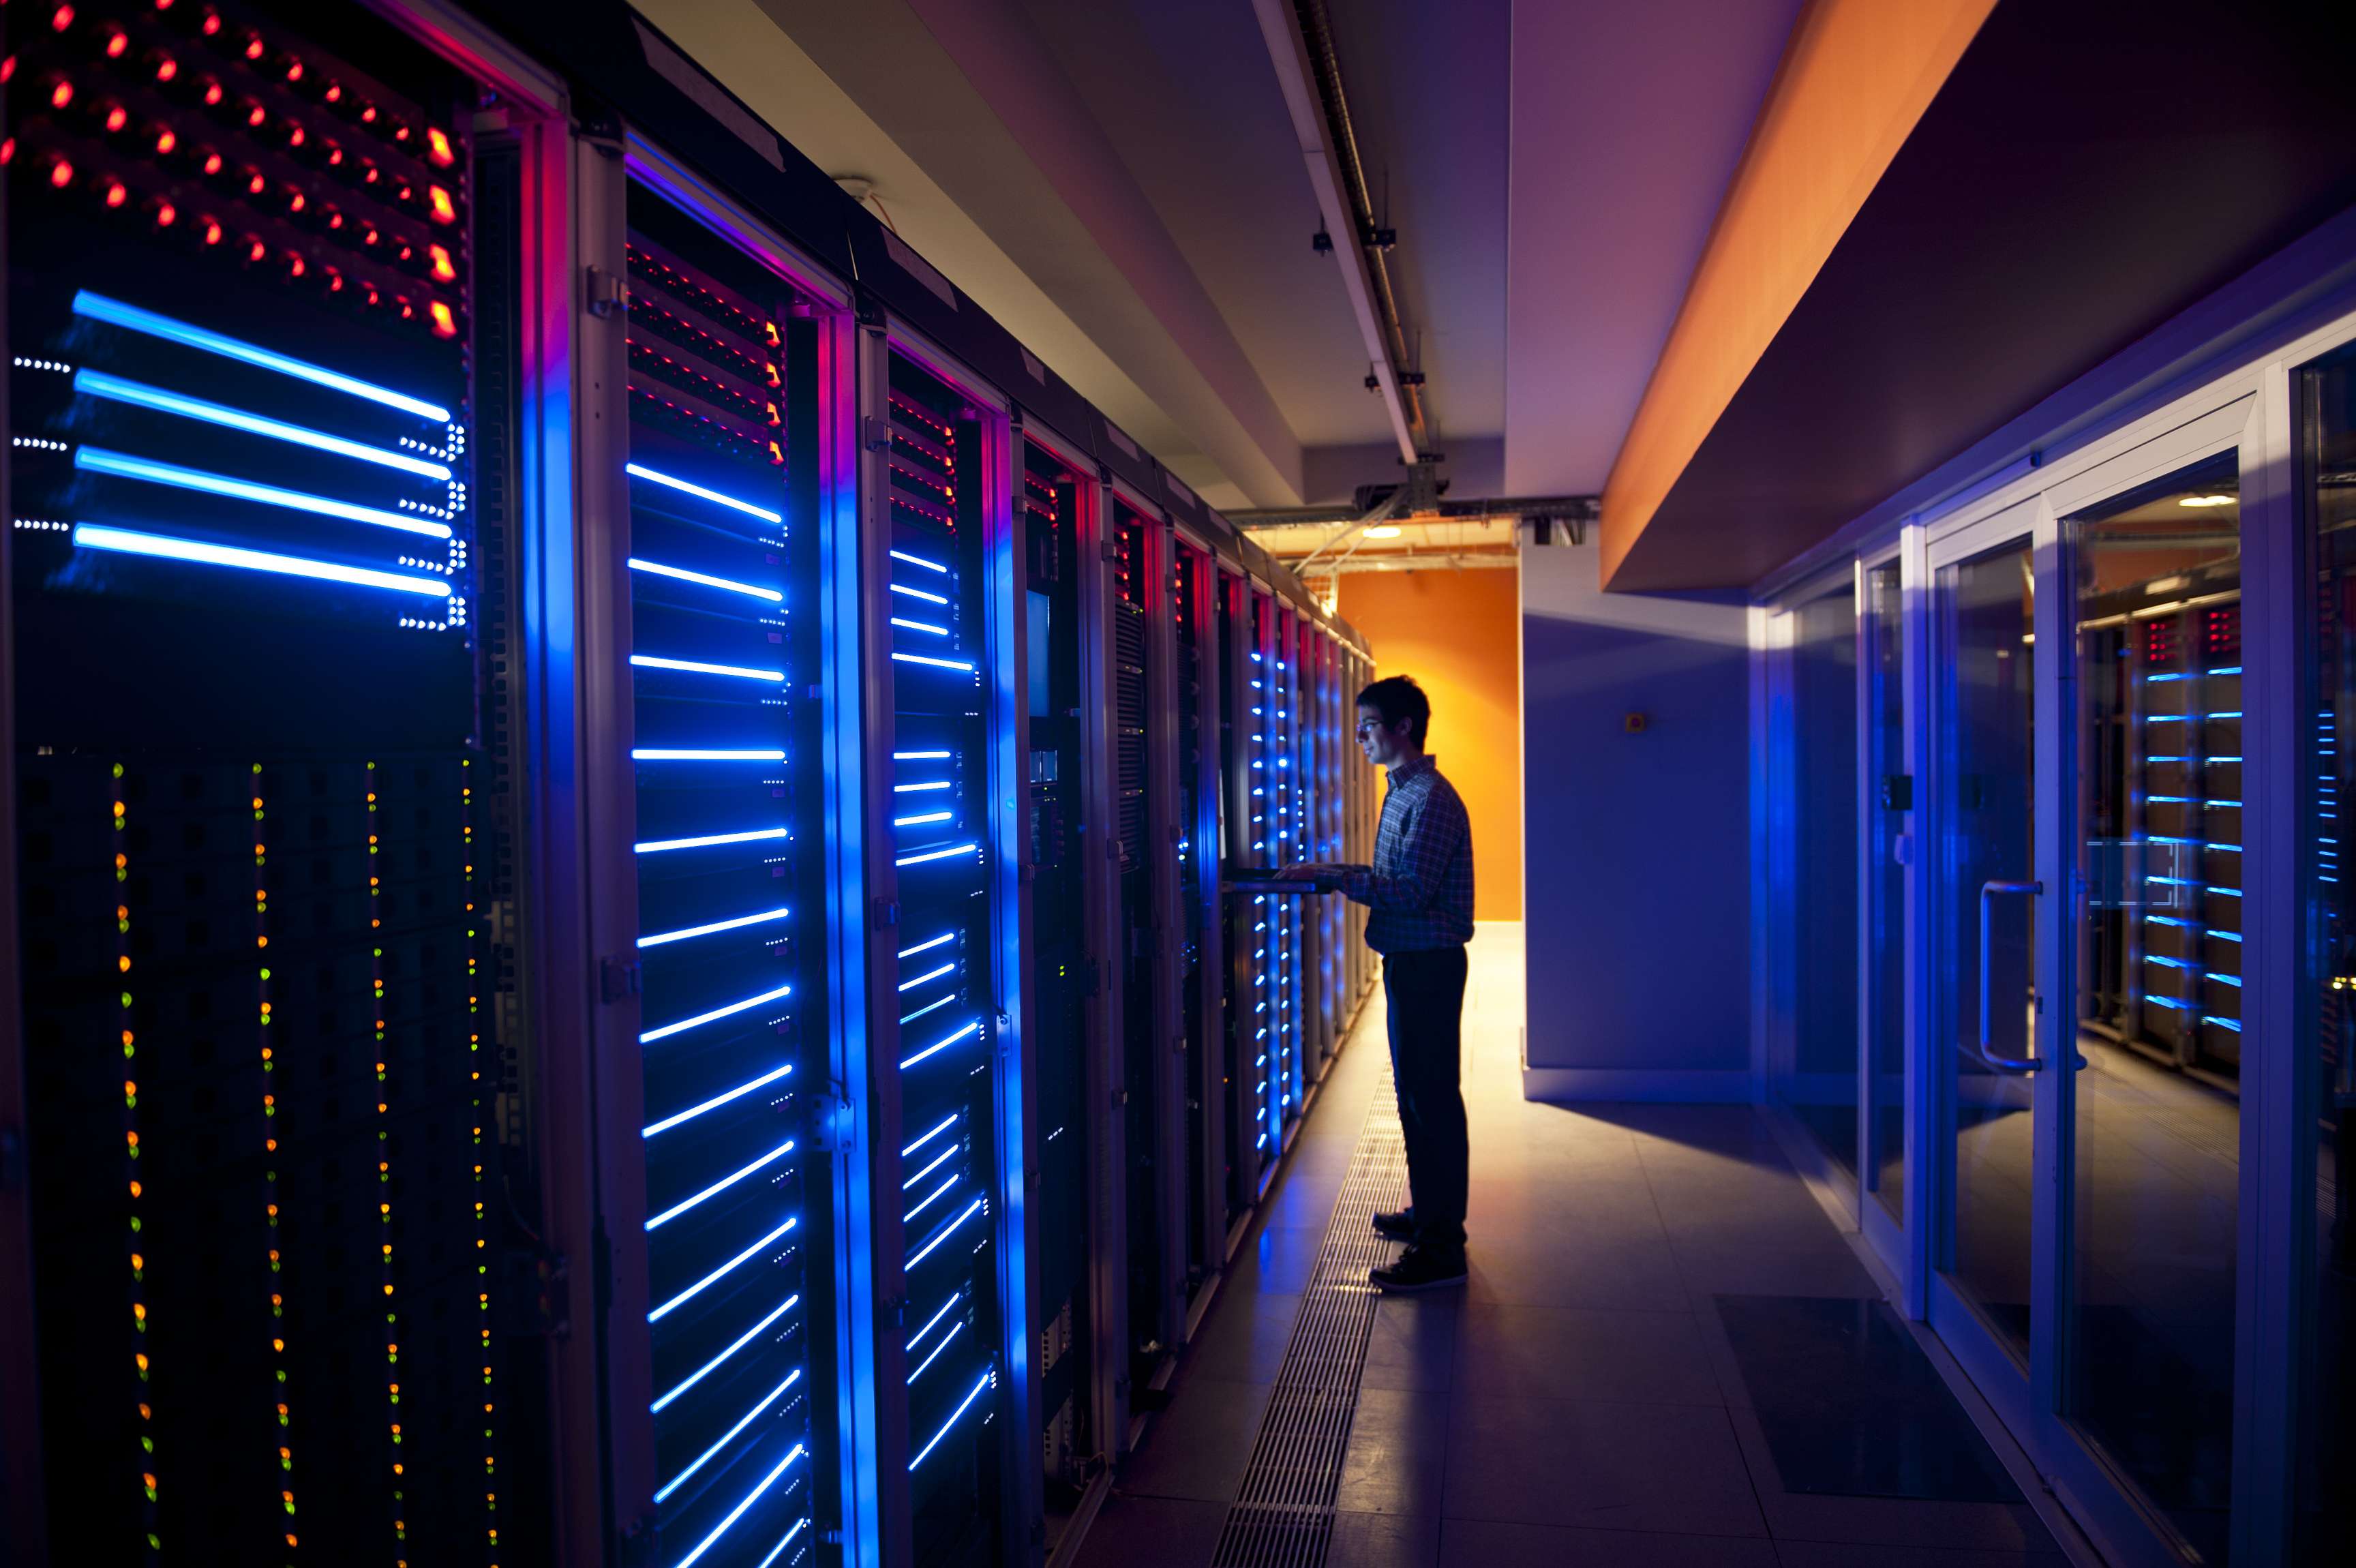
(668, 1030)
(699, 1287)
(723, 1185)
(739, 923)
(131, 318)
(98, 384)
(98, 460)
(92, 536)
(673, 754)
(751, 590)
(742, 1339)
(717, 1101)
(639, 471)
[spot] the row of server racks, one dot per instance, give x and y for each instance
(615, 948)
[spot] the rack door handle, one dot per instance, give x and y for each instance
(1989, 890)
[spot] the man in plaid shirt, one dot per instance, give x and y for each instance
(1420, 891)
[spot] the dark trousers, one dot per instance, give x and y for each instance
(1426, 996)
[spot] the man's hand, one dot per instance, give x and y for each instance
(1319, 873)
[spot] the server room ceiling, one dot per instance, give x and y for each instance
(1119, 182)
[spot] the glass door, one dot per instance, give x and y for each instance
(2155, 786)
(1985, 773)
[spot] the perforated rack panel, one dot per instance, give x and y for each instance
(948, 1068)
(724, 571)
(264, 1154)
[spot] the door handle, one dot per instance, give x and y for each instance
(1989, 890)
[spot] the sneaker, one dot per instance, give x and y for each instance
(1396, 1226)
(1419, 1268)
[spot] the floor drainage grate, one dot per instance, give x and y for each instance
(1283, 1513)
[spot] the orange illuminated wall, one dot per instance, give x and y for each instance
(1458, 633)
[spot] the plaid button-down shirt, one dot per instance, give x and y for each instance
(1420, 886)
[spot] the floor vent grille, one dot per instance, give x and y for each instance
(1283, 1513)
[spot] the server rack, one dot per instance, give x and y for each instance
(259, 604)
(702, 481)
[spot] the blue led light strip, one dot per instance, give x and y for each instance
(92, 536)
(933, 1321)
(937, 854)
(723, 1185)
(654, 662)
(717, 1101)
(923, 1452)
(919, 594)
(766, 915)
(699, 1287)
(742, 1339)
(946, 1124)
(946, 1231)
(114, 312)
(668, 1030)
(764, 1402)
(639, 471)
(98, 384)
(926, 947)
(98, 460)
(656, 846)
(752, 590)
(738, 1512)
(929, 975)
(922, 818)
(973, 1028)
(929, 1169)
(920, 625)
(955, 1329)
(919, 788)
(936, 663)
(919, 561)
(939, 1193)
(788, 1539)
(669, 754)
(928, 1007)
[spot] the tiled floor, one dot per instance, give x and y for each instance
(1577, 1401)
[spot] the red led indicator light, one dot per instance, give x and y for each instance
(367, 114)
(165, 214)
(61, 18)
(443, 269)
(294, 136)
(255, 250)
(445, 324)
(210, 25)
(296, 266)
(295, 201)
(166, 67)
(8, 152)
(335, 281)
(165, 141)
(254, 184)
(334, 94)
(61, 174)
(60, 95)
(7, 69)
(255, 114)
(438, 150)
(213, 94)
(253, 47)
(212, 232)
(294, 71)
(212, 162)
(115, 195)
(445, 210)
(117, 117)
(116, 43)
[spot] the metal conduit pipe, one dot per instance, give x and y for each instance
(1575, 509)
(1325, 66)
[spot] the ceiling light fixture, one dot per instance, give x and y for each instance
(1385, 531)
(2207, 501)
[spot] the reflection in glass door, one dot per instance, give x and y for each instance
(1987, 919)
(2157, 952)
(1889, 803)
(1816, 1078)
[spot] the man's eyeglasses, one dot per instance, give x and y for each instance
(1367, 727)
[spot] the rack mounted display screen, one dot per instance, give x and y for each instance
(253, 836)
